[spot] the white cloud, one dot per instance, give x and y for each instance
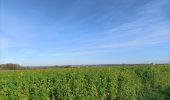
(151, 27)
(149, 40)
(8, 42)
(4, 43)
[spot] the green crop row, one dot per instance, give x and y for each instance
(95, 83)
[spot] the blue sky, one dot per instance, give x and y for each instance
(50, 32)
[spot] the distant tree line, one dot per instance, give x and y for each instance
(9, 66)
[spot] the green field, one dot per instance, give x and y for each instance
(143, 82)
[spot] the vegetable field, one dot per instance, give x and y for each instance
(143, 82)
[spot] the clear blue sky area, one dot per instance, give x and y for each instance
(56, 32)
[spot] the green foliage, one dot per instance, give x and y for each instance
(151, 82)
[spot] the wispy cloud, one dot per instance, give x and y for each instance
(7, 43)
(147, 29)
(4, 43)
(153, 18)
(150, 40)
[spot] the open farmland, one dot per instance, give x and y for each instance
(143, 82)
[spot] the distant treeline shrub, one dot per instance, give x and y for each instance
(9, 66)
